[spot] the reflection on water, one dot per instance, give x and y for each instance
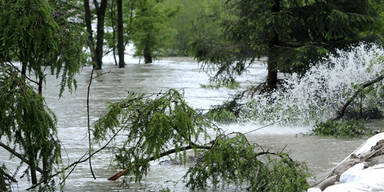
(179, 73)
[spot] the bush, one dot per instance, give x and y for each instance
(221, 115)
(341, 128)
(234, 161)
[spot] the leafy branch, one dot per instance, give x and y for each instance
(164, 125)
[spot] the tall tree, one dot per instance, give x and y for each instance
(38, 34)
(120, 33)
(150, 32)
(96, 47)
(291, 33)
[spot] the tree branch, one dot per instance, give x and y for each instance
(8, 176)
(18, 155)
(350, 100)
(89, 122)
(81, 160)
(166, 153)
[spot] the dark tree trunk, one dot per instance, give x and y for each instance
(97, 53)
(120, 33)
(30, 152)
(147, 54)
(272, 63)
(88, 24)
(32, 160)
(113, 32)
(100, 34)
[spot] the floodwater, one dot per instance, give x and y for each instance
(320, 153)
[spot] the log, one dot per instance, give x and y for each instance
(372, 148)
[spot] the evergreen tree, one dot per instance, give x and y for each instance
(291, 33)
(38, 34)
(150, 31)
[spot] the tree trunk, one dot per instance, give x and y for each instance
(272, 64)
(272, 72)
(88, 23)
(120, 33)
(100, 34)
(147, 54)
(32, 160)
(366, 153)
(113, 32)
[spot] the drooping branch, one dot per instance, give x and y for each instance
(18, 155)
(8, 176)
(166, 153)
(81, 160)
(356, 94)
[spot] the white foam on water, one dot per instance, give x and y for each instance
(322, 90)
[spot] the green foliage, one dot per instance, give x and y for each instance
(341, 128)
(70, 56)
(292, 34)
(221, 115)
(39, 33)
(165, 190)
(185, 22)
(25, 120)
(152, 126)
(164, 125)
(233, 160)
(218, 84)
(150, 32)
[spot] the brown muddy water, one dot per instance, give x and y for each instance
(320, 153)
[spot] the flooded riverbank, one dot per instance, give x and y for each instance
(319, 153)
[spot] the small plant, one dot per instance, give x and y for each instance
(341, 128)
(221, 115)
(232, 84)
(232, 160)
(165, 190)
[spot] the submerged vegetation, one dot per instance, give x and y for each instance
(341, 128)
(165, 125)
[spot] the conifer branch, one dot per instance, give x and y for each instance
(18, 155)
(24, 75)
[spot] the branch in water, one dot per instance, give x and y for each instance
(81, 160)
(350, 100)
(166, 153)
(18, 155)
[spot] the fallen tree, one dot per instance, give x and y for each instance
(165, 126)
(366, 155)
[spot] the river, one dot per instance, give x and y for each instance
(320, 153)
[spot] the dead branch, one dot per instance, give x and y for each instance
(89, 123)
(81, 160)
(18, 155)
(166, 153)
(353, 159)
(351, 99)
